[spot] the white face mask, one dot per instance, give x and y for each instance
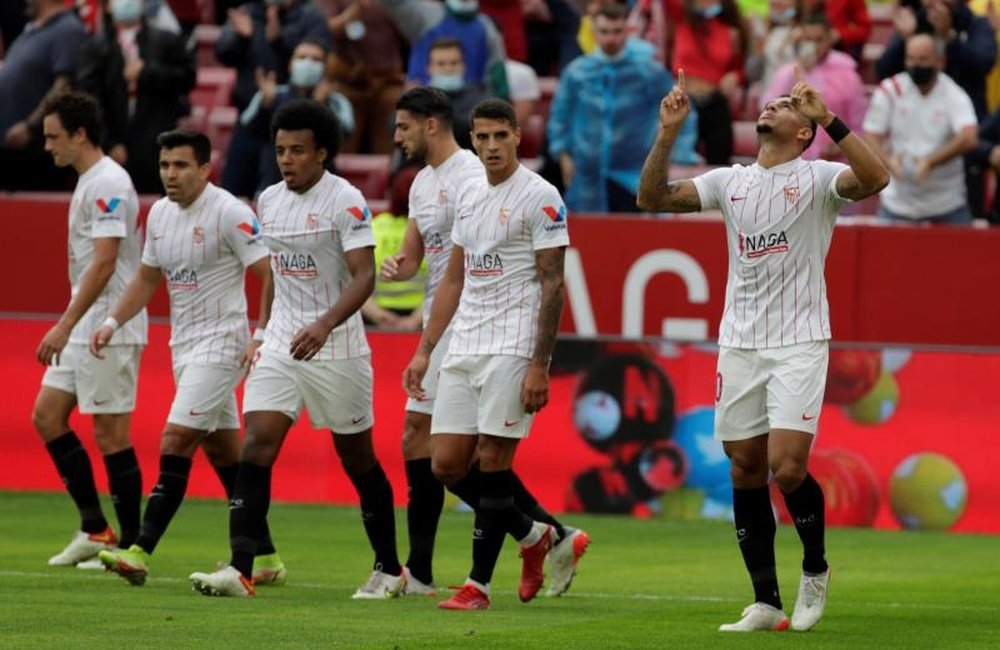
(463, 7)
(807, 53)
(126, 11)
(355, 30)
(447, 81)
(307, 73)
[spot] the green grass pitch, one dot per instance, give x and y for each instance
(643, 584)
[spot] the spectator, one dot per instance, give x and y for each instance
(774, 39)
(422, 24)
(605, 115)
(188, 13)
(849, 19)
(990, 9)
(306, 72)
(711, 43)
(260, 37)
(525, 89)
(834, 74)
(141, 76)
(987, 154)
(928, 122)
(366, 66)
(510, 18)
(446, 66)
(970, 51)
(41, 62)
(551, 27)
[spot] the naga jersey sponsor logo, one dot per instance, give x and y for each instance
(182, 280)
(753, 246)
(433, 243)
(557, 215)
(107, 208)
(300, 265)
(484, 264)
(363, 216)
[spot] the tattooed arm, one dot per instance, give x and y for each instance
(535, 389)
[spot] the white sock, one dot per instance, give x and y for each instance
(533, 535)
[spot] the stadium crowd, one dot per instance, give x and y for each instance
(584, 76)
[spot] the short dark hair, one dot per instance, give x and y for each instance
(76, 110)
(198, 142)
(816, 18)
(315, 42)
(446, 43)
(613, 11)
(427, 102)
(495, 109)
(310, 115)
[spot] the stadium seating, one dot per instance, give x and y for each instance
(205, 37)
(368, 172)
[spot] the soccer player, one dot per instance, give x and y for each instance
(315, 353)
(504, 286)
(103, 254)
(424, 131)
(773, 339)
(201, 238)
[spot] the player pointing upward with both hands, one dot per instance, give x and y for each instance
(779, 214)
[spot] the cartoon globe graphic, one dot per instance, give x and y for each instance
(878, 404)
(928, 491)
(597, 415)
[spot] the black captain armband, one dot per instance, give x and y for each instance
(837, 130)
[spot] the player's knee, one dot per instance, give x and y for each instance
(448, 472)
(111, 433)
(747, 471)
(259, 451)
(179, 441)
(416, 439)
(789, 474)
(47, 424)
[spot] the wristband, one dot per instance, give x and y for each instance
(837, 130)
(112, 323)
(258, 335)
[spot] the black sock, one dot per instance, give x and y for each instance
(425, 501)
(125, 485)
(73, 465)
(468, 489)
(806, 506)
(496, 516)
(164, 500)
(379, 518)
(528, 504)
(755, 530)
(247, 511)
(227, 476)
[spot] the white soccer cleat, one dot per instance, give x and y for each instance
(757, 617)
(227, 581)
(380, 586)
(811, 601)
(84, 546)
(93, 564)
(414, 587)
(563, 558)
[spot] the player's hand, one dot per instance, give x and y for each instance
(413, 376)
(52, 345)
(808, 101)
(674, 108)
(390, 267)
(100, 339)
(250, 353)
(535, 388)
(921, 170)
(309, 341)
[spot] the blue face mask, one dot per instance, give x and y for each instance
(711, 12)
(447, 81)
(126, 11)
(306, 73)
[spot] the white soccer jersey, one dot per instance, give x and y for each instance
(308, 235)
(202, 251)
(500, 227)
(105, 205)
(432, 205)
(779, 223)
(918, 125)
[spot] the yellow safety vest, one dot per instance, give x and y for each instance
(389, 232)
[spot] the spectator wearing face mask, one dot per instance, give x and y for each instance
(773, 40)
(446, 70)
(307, 70)
(140, 75)
(834, 74)
(920, 123)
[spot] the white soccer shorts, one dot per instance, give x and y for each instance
(105, 385)
(769, 388)
(481, 394)
(205, 399)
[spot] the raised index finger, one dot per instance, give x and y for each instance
(798, 74)
(680, 79)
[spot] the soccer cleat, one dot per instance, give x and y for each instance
(93, 564)
(470, 597)
(84, 546)
(269, 570)
(130, 564)
(759, 616)
(381, 585)
(563, 558)
(533, 562)
(227, 581)
(811, 601)
(416, 588)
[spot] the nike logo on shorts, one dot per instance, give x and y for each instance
(101, 402)
(510, 423)
(195, 413)
(808, 417)
(357, 420)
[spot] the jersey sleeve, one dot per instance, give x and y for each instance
(241, 231)
(149, 257)
(109, 208)
(353, 220)
(879, 110)
(547, 220)
(961, 112)
(827, 173)
(709, 186)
